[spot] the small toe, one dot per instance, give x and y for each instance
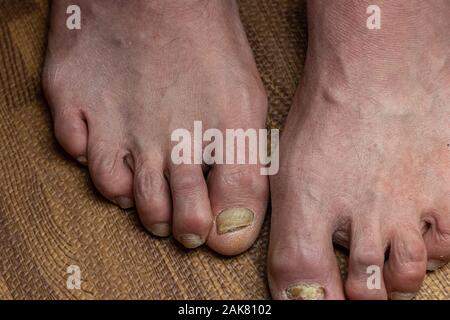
(406, 266)
(152, 197)
(192, 217)
(110, 174)
(72, 133)
(437, 241)
(365, 267)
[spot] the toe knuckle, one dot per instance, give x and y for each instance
(187, 183)
(151, 209)
(149, 181)
(368, 258)
(237, 176)
(412, 272)
(200, 221)
(245, 178)
(444, 235)
(280, 264)
(105, 179)
(287, 259)
(416, 252)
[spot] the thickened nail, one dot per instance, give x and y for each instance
(433, 265)
(309, 291)
(233, 219)
(190, 241)
(82, 160)
(401, 295)
(160, 229)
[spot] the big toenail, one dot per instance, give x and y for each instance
(308, 291)
(82, 160)
(401, 295)
(433, 265)
(233, 219)
(160, 229)
(124, 202)
(191, 241)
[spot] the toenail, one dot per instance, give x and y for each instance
(124, 202)
(233, 219)
(401, 295)
(191, 241)
(82, 160)
(308, 291)
(433, 265)
(160, 229)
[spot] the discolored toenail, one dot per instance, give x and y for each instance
(401, 295)
(160, 229)
(233, 219)
(191, 241)
(308, 291)
(124, 202)
(433, 265)
(82, 160)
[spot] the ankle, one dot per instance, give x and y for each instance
(407, 27)
(411, 44)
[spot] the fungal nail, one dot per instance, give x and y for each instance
(433, 265)
(191, 241)
(401, 295)
(308, 291)
(82, 160)
(160, 229)
(233, 219)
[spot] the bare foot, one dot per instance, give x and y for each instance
(135, 72)
(365, 156)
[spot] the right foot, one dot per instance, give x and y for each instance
(135, 72)
(365, 155)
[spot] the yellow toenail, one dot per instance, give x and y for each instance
(124, 203)
(160, 229)
(433, 265)
(401, 295)
(308, 291)
(82, 160)
(233, 219)
(191, 241)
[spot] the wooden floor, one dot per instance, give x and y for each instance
(51, 218)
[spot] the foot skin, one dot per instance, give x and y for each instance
(365, 155)
(135, 72)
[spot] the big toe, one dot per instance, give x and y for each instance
(238, 196)
(302, 264)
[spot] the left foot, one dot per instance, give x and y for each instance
(365, 155)
(135, 72)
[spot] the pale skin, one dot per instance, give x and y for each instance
(364, 156)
